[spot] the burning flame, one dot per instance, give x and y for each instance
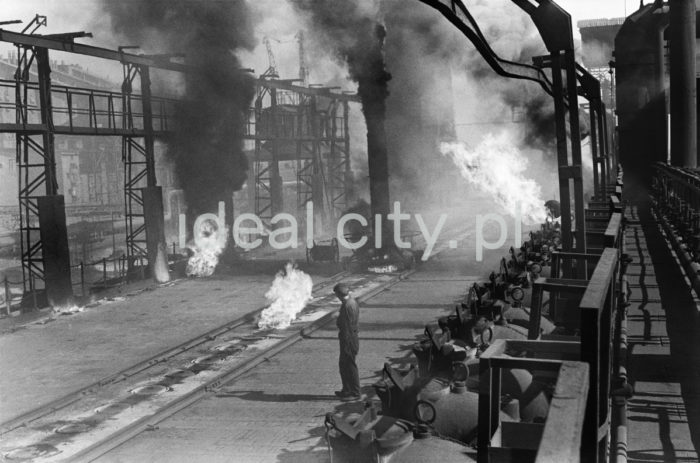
(288, 295)
(67, 309)
(496, 167)
(210, 244)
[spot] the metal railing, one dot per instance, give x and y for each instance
(102, 273)
(9, 300)
(83, 110)
(589, 307)
(676, 195)
(559, 437)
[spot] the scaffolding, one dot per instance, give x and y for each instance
(307, 125)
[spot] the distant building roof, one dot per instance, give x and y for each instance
(603, 22)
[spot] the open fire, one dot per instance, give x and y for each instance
(209, 244)
(288, 295)
(496, 168)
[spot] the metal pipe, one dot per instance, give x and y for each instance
(683, 85)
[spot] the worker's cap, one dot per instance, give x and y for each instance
(341, 289)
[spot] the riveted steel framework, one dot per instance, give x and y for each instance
(35, 157)
(139, 159)
(43, 110)
(309, 126)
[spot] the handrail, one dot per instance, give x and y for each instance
(562, 431)
(598, 310)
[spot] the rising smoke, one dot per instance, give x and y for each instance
(206, 145)
(357, 37)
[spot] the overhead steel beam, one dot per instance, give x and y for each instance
(590, 90)
(313, 91)
(459, 16)
(55, 43)
(65, 43)
(554, 25)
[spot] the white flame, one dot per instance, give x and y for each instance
(288, 295)
(67, 309)
(210, 245)
(496, 167)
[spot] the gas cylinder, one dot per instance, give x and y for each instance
(364, 439)
(427, 447)
(454, 414)
(399, 400)
(520, 316)
(519, 384)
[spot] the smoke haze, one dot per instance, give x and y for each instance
(206, 146)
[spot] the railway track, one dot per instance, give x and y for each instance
(89, 422)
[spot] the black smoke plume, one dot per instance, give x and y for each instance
(206, 145)
(358, 39)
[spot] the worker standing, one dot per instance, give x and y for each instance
(347, 323)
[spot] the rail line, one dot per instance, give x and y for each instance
(45, 409)
(89, 422)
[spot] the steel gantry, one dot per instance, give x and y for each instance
(35, 159)
(590, 89)
(308, 126)
(554, 25)
(78, 111)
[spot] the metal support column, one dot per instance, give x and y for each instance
(603, 152)
(590, 89)
(683, 84)
(318, 181)
(261, 170)
(152, 195)
(136, 172)
(338, 162)
(37, 168)
(349, 192)
(276, 193)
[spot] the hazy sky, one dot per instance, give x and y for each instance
(77, 15)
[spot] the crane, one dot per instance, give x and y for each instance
(303, 70)
(272, 66)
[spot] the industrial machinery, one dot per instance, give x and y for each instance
(323, 251)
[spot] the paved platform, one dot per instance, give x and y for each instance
(275, 413)
(664, 348)
(47, 355)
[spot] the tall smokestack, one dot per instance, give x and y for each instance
(206, 145)
(683, 85)
(357, 37)
(372, 88)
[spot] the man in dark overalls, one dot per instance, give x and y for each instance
(348, 319)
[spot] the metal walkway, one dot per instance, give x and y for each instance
(663, 329)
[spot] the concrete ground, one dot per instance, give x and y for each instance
(46, 355)
(664, 345)
(276, 412)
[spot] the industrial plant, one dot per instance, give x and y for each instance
(371, 231)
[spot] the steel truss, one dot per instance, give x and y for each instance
(308, 126)
(139, 118)
(35, 158)
(139, 162)
(554, 25)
